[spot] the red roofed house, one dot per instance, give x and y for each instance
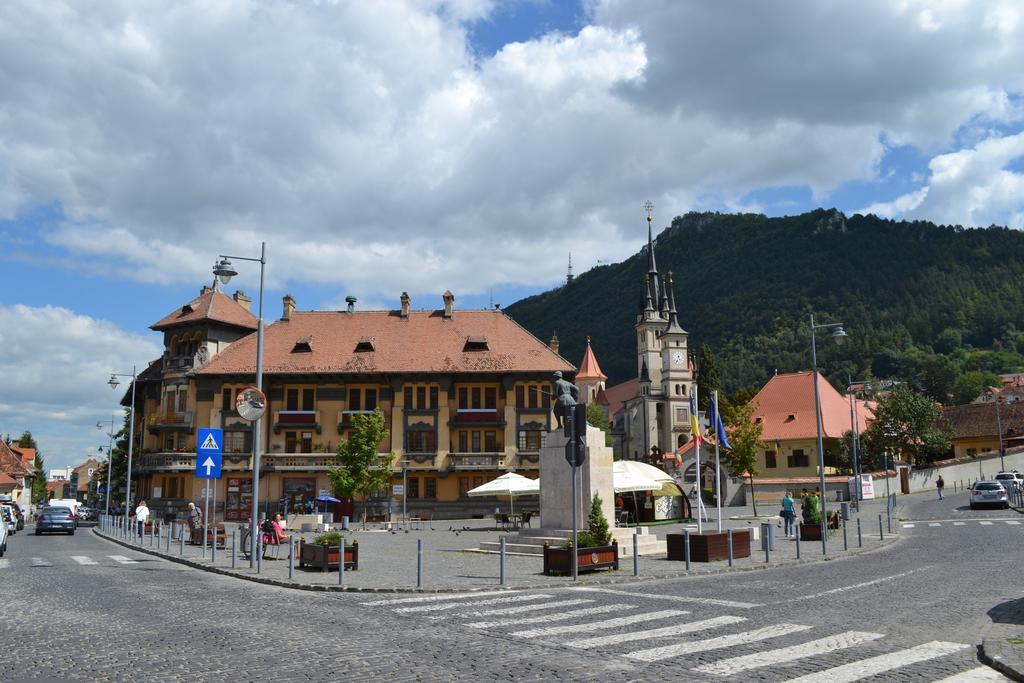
(16, 474)
(460, 391)
(785, 409)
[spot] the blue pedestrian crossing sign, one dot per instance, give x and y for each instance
(208, 454)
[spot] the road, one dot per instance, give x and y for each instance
(83, 608)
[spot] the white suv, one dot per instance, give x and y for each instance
(3, 536)
(1012, 481)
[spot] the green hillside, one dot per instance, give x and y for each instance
(937, 305)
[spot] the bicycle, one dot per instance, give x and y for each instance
(246, 537)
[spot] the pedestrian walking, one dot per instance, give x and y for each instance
(195, 524)
(939, 485)
(788, 514)
(141, 517)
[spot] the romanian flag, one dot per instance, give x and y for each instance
(679, 455)
(694, 425)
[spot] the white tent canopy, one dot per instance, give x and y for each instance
(631, 475)
(510, 484)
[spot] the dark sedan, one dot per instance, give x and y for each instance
(56, 519)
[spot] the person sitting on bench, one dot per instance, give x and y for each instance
(277, 534)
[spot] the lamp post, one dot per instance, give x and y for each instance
(855, 439)
(999, 428)
(110, 456)
(224, 272)
(113, 382)
(839, 335)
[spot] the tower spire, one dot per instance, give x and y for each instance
(673, 317)
(652, 266)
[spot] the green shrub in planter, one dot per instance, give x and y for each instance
(330, 538)
(597, 533)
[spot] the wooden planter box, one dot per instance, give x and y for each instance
(810, 532)
(217, 536)
(709, 546)
(559, 560)
(325, 557)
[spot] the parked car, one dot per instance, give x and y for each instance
(989, 492)
(19, 515)
(3, 538)
(56, 519)
(1012, 481)
(9, 519)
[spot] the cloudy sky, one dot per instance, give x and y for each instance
(421, 145)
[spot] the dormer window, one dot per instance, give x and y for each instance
(790, 417)
(475, 344)
(304, 345)
(186, 309)
(365, 345)
(758, 420)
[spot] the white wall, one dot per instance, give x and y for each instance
(982, 467)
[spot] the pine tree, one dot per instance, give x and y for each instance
(597, 524)
(38, 480)
(708, 379)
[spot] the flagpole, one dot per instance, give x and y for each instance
(696, 437)
(718, 469)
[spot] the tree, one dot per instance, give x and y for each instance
(597, 533)
(938, 377)
(597, 417)
(906, 425)
(362, 469)
(971, 385)
(745, 439)
(708, 379)
(27, 441)
(39, 480)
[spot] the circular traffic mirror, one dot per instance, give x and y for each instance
(251, 403)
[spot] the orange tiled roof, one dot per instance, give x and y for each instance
(620, 393)
(426, 341)
(91, 462)
(589, 369)
(210, 305)
(785, 407)
(977, 420)
(11, 462)
(4, 479)
(28, 455)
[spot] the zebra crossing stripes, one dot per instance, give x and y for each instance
(981, 674)
(655, 654)
(522, 608)
(713, 602)
(614, 622)
(939, 523)
(121, 559)
(985, 523)
(4, 563)
(548, 618)
(663, 632)
(854, 671)
(40, 562)
(959, 523)
(934, 524)
(840, 641)
(457, 605)
(433, 598)
(82, 559)
(1013, 522)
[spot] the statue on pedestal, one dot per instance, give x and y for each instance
(566, 396)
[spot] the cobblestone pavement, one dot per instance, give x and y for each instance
(389, 560)
(912, 610)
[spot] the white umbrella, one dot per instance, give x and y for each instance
(510, 484)
(630, 476)
(628, 482)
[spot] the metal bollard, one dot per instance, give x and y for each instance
(259, 552)
(501, 564)
(213, 548)
(341, 561)
(799, 526)
(170, 535)
(767, 545)
(181, 543)
(686, 542)
(636, 552)
(234, 547)
(888, 518)
(860, 538)
(291, 557)
(419, 563)
(728, 543)
(846, 544)
(881, 536)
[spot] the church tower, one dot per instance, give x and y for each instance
(589, 377)
(676, 376)
(649, 320)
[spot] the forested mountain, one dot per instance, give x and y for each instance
(942, 306)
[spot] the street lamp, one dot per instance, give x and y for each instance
(999, 428)
(855, 438)
(839, 336)
(110, 459)
(224, 272)
(113, 382)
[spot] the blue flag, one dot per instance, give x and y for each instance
(716, 424)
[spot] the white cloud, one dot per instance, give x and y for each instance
(55, 366)
(374, 152)
(970, 187)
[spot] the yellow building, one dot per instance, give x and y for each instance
(974, 428)
(464, 394)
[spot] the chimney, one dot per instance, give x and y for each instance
(351, 301)
(553, 344)
(449, 302)
(242, 300)
(289, 307)
(406, 301)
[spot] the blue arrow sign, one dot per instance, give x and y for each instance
(208, 453)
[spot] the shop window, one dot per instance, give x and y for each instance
(429, 487)
(413, 488)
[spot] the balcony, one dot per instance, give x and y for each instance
(166, 462)
(170, 420)
(178, 363)
(476, 417)
(528, 460)
(476, 461)
(298, 462)
(345, 418)
(296, 419)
